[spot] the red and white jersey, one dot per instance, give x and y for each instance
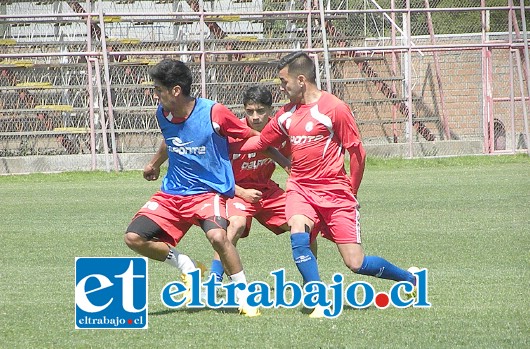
(254, 170)
(319, 133)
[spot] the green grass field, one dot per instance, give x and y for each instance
(465, 219)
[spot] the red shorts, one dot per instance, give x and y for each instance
(335, 213)
(175, 214)
(269, 211)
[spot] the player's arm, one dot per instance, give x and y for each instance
(250, 145)
(348, 133)
(228, 125)
(278, 157)
(152, 169)
(249, 195)
(357, 160)
(270, 136)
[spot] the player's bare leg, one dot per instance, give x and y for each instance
(236, 228)
(231, 261)
(162, 252)
(355, 259)
(140, 237)
(156, 250)
(352, 255)
(225, 249)
(234, 231)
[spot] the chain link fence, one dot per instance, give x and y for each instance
(438, 78)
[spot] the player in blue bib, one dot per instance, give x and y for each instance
(199, 178)
(198, 153)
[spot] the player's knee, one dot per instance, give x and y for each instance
(133, 240)
(354, 264)
(217, 238)
(236, 232)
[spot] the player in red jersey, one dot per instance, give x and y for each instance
(320, 128)
(257, 195)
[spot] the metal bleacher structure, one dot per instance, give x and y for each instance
(74, 74)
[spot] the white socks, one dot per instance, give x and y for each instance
(240, 294)
(180, 261)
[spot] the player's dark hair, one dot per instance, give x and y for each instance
(257, 94)
(171, 73)
(299, 63)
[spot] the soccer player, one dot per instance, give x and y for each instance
(198, 180)
(320, 128)
(257, 195)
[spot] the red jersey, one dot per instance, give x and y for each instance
(254, 170)
(227, 124)
(319, 133)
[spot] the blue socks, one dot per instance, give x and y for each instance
(308, 267)
(304, 258)
(381, 268)
(217, 270)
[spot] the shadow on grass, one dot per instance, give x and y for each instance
(193, 311)
(307, 311)
(350, 308)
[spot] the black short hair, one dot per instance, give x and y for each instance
(257, 94)
(299, 63)
(171, 73)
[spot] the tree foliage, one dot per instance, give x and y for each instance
(375, 24)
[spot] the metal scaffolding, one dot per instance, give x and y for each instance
(74, 75)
